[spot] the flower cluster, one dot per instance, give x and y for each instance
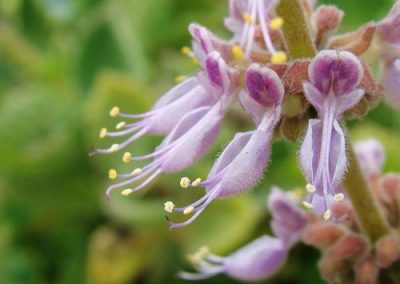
(302, 99)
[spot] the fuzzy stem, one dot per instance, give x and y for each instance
(368, 213)
(295, 29)
(300, 45)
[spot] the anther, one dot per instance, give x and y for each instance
(188, 210)
(120, 125)
(338, 197)
(126, 158)
(327, 215)
(196, 182)
(112, 174)
(185, 182)
(186, 51)
(114, 111)
(278, 57)
(237, 52)
(136, 172)
(169, 206)
(114, 147)
(126, 192)
(310, 188)
(103, 133)
(199, 255)
(276, 23)
(180, 78)
(247, 18)
(308, 205)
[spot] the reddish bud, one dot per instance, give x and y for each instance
(366, 271)
(322, 235)
(348, 247)
(388, 250)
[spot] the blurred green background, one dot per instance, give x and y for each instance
(63, 65)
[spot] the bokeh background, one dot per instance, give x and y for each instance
(63, 65)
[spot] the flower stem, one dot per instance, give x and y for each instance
(295, 29)
(368, 213)
(300, 45)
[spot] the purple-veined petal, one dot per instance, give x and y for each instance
(339, 72)
(288, 220)
(390, 79)
(371, 156)
(258, 260)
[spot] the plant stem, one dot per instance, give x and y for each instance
(300, 45)
(368, 213)
(295, 29)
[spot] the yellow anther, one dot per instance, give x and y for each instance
(310, 188)
(276, 23)
(188, 210)
(169, 206)
(237, 52)
(136, 172)
(199, 255)
(126, 192)
(308, 205)
(185, 182)
(126, 158)
(196, 182)
(120, 125)
(114, 111)
(112, 174)
(278, 57)
(247, 18)
(103, 133)
(180, 78)
(186, 51)
(327, 215)
(114, 147)
(338, 197)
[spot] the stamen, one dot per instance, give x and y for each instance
(186, 51)
(199, 255)
(185, 182)
(112, 174)
(169, 206)
(120, 125)
(126, 158)
(126, 192)
(247, 18)
(327, 215)
(308, 205)
(338, 197)
(310, 188)
(196, 182)
(188, 210)
(237, 52)
(276, 23)
(180, 78)
(278, 57)
(136, 172)
(114, 147)
(103, 133)
(114, 111)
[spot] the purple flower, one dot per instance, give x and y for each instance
(389, 38)
(246, 19)
(264, 256)
(243, 161)
(371, 156)
(193, 134)
(334, 77)
(288, 220)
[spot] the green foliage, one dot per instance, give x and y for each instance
(63, 65)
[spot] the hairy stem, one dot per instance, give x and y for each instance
(368, 213)
(300, 45)
(295, 29)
